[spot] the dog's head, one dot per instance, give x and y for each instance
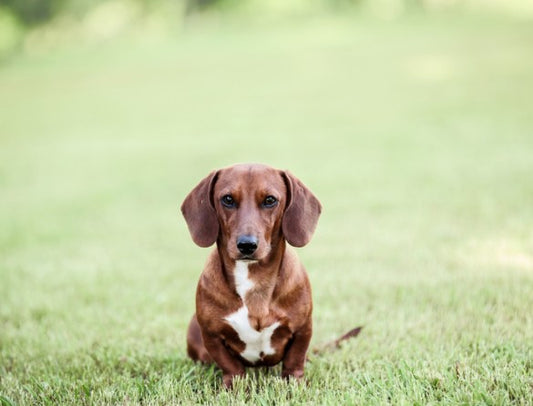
(248, 208)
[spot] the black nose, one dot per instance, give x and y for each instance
(247, 244)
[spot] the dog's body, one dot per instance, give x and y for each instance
(253, 302)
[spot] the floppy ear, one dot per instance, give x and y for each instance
(199, 212)
(301, 213)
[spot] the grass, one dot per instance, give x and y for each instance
(415, 134)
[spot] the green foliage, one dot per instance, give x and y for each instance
(414, 133)
(10, 32)
(34, 11)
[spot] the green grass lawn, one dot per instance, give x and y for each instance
(416, 135)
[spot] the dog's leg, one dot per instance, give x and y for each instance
(294, 360)
(229, 365)
(195, 343)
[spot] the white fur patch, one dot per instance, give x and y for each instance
(258, 343)
(242, 283)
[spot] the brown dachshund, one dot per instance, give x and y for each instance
(253, 301)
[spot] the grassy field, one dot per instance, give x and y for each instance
(417, 136)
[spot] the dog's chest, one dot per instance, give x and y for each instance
(258, 342)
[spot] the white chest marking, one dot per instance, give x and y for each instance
(242, 283)
(257, 342)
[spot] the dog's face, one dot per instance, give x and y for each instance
(249, 202)
(248, 208)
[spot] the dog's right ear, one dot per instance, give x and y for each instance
(199, 212)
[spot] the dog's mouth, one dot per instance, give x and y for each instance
(247, 258)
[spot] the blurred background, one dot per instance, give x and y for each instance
(411, 120)
(41, 25)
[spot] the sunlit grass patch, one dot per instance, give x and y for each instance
(502, 253)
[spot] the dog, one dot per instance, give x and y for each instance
(253, 300)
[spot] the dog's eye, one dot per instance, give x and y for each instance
(270, 201)
(227, 200)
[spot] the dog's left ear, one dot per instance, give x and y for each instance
(301, 212)
(199, 212)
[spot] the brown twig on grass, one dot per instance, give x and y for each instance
(337, 343)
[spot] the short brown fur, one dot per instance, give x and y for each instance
(281, 291)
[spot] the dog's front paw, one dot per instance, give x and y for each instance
(227, 379)
(292, 373)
